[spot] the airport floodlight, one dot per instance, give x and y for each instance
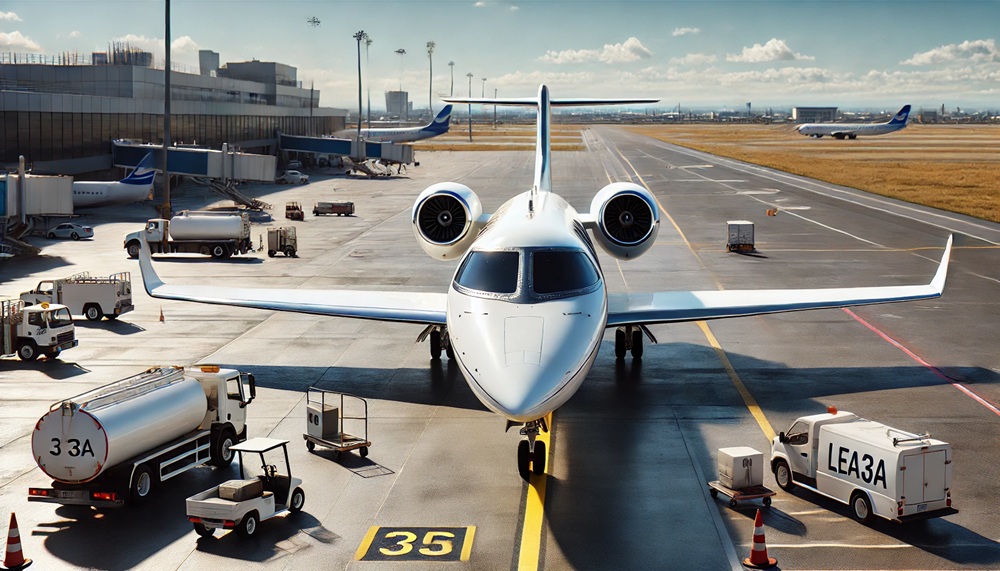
(360, 36)
(484, 89)
(451, 92)
(470, 76)
(368, 43)
(430, 85)
(401, 52)
(313, 21)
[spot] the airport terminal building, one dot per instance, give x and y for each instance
(62, 115)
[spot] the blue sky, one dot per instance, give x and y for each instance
(700, 54)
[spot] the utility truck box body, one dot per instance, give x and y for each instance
(874, 468)
(92, 297)
(114, 444)
(216, 234)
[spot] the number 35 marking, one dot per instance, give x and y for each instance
(416, 544)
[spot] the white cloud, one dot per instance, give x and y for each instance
(686, 31)
(75, 34)
(773, 50)
(694, 59)
(184, 45)
(515, 8)
(18, 41)
(480, 4)
(629, 51)
(10, 17)
(977, 51)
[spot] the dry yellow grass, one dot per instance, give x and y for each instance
(951, 167)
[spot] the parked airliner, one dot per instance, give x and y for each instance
(853, 130)
(438, 126)
(138, 185)
(527, 308)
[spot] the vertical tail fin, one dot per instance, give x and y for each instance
(143, 173)
(900, 117)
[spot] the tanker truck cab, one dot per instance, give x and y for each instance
(115, 444)
(875, 469)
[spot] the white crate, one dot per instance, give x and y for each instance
(741, 467)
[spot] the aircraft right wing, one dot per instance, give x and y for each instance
(677, 306)
(407, 307)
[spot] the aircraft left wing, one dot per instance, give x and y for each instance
(406, 307)
(677, 306)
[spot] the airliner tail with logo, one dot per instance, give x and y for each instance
(438, 126)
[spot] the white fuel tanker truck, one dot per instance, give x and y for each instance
(216, 234)
(113, 445)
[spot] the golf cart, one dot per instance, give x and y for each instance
(242, 504)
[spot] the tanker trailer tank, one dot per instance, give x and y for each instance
(79, 438)
(209, 226)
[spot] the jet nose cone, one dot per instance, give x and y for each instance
(520, 391)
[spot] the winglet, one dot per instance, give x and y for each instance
(150, 280)
(942, 272)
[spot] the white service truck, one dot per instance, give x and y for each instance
(875, 469)
(91, 297)
(216, 234)
(113, 445)
(28, 332)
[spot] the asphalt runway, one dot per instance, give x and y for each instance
(629, 455)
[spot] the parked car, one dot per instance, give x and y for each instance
(294, 165)
(292, 177)
(71, 230)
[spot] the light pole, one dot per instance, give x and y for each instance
(360, 36)
(368, 42)
(484, 88)
(451, 92)
(470, 76)
(494, 109)
(406, 111)
(430, 85)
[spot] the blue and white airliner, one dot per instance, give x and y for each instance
(527, 308)
(438, 126)
(854, 130)
(137, 186)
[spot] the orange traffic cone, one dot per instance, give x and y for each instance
(758, 554)
(14, 560)
(161, 314)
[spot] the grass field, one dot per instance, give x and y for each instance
(951, 167)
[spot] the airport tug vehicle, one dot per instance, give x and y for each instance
(242, 504)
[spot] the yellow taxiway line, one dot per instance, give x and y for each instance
(534, 509)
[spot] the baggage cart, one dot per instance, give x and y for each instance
(338, 208)
(338, 421)
(743, 494)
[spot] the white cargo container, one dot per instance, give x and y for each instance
(92, 297)
(115, 444)
(741, 467)
(875, 469)
(216, 234)
(740, 236)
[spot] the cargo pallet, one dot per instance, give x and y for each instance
(345, 441)
(752, 493)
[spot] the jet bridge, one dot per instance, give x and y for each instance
(223, 164)
(354, 149)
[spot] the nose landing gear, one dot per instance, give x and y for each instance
(531, 453)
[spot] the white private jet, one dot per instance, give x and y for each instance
(853, 130)
(527, 308)
(438, 126)
(138, 185)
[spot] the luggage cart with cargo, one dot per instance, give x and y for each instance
(741, 476)
(338, 208)
(338, 421)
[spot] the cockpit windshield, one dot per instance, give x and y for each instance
(491, 272)
(555, 271)
(528, 275)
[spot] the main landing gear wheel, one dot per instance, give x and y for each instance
(435, 343)
(637, 343)
(621, 347)
(524, 460)
(538, 458)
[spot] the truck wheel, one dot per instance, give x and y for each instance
(222, 456)
(289, 252)
(783, 475)
(52, 354)
(142, 485)
(133, 248)
(93, 312)
(218, 251)
(298, 500)
(248, 525)
(861, 507)
(28, 351)
(203, 531)
(271, 253)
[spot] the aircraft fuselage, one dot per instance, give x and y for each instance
(527, 308)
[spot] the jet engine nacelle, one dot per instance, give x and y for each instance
(627, 219)
(445, 217)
